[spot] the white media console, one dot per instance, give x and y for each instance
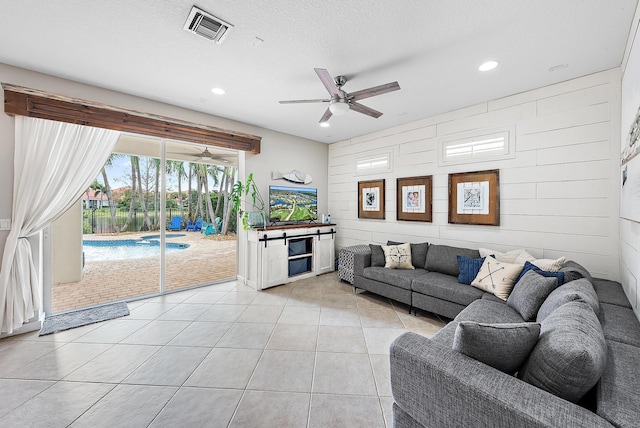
(281, 254)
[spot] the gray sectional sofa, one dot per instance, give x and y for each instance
(432, 286)
(581, 370)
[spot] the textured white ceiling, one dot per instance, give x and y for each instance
(431, 47)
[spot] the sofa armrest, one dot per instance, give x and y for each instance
(438, 386)
(361, 261)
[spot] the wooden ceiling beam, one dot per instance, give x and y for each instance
(33, 103)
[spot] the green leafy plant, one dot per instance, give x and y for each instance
(241, 192)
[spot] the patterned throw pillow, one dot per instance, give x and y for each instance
(469, 268)
(530, 266)
(397, 256)
(497, 277)
(550, 264)
(517, 257)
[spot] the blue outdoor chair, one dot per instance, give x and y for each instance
(194, 226)
(212, 228)
(175, 224)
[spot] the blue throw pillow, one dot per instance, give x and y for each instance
(469, 268)
(530, 266)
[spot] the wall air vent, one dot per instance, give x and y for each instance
(206, 25)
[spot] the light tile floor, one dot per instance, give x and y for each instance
(307, 354)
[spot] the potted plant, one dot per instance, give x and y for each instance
(239, 193)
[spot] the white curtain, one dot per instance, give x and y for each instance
(54, 163)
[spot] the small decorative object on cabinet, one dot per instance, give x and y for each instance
(282, 254)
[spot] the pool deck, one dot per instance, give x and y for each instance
(207, 260)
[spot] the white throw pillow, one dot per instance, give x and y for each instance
(518, 256)
(550, 264)
(397, 256)
(497, 277)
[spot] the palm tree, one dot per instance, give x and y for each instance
(146, 225)
(177, 167)
(228, 207)
(107, 190)
(132, 205)
(189, 204)
(156, 196)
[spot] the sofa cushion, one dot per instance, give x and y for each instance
(502, 346)
(570, 355)
(492, 297)
(618, 398)
(573, 271)
(487, 311)
(377, 255)
(619, 324)
(445, 287)
(397, 256)
(529, 294)
(518, 256)
(418, 253)
(446, 334)
(497, 277)
(550, 274)
(552, 265)
(469, 268)
(399, 277)
(442, 258)
(580, 289)
(610, 292)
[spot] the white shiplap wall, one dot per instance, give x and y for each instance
(558, 196)
(630, 230)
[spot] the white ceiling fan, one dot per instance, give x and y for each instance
(341, 102)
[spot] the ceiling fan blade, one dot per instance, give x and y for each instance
(376, 90)
(364, 110)
(328, 82)
(303, 101)
(325, 117)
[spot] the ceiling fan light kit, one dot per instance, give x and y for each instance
(341, 102)
(339, 107)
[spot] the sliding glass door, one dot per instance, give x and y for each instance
(156, 219)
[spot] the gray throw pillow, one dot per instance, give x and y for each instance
(580, 289)
(530, 293)
(418, 253)
(377, 255)
(570, 355)
(443, 259)
(502, 346)
(573, 271)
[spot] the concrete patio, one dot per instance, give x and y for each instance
(208, 259)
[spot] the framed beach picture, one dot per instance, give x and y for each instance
(474, 198)
(413, 198)
(371, 199)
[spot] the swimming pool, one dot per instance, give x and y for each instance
(168, 235)
(121, 249)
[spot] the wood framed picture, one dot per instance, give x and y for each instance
(371, 199)
(413, 198)
(474, 198)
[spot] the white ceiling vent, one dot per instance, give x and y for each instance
(206, 25)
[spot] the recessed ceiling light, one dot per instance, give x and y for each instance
(218, 91)
(325, 124)
(489, 65)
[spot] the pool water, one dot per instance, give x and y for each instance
(168, 235)
(122, 249)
